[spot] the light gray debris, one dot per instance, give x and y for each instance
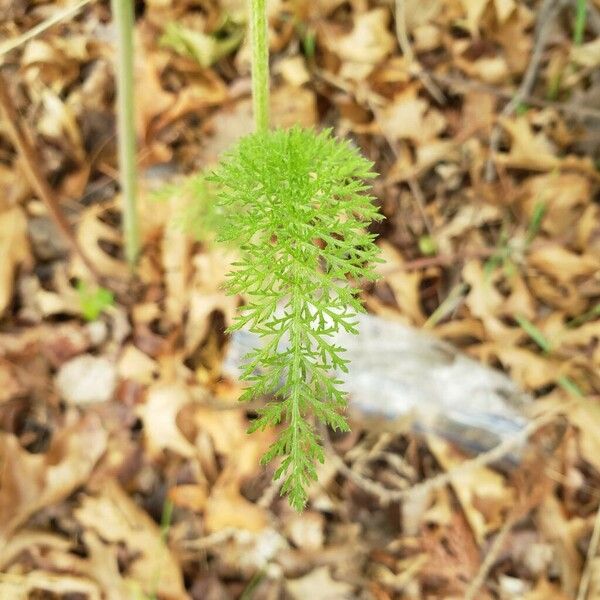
(400, 376)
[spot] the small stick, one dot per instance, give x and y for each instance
(492, 555)
(589, 560)
(61, 15)
(404, 43)
(387, 496)
(23, 143)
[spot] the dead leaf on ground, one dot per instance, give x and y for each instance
(319, 584)
(159, 415)
(115, 518)
(14, 250)
(483, 494)
(369, 42)
(33, 481)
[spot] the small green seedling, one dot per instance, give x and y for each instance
(427, 245)
(93, 300)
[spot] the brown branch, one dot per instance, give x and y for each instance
(387, 496)
(25, 147)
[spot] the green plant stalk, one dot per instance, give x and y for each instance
(580, 18)
(124, 21)
(260, 64)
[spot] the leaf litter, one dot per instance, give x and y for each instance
(88, 464)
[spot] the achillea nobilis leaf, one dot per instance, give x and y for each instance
(297, 206)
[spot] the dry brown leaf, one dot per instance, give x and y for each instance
(319, 584)
(101, 565)
(29, 540)
(586, 55)
(204, 92)
(177, 265)
(544, 590)
(14, 250)
(485, 302)
(159, 414)
(369, 42)
(21, 587)
(513, 35)
(404, 285)
(30, 482)
(534, 151)
(421, 12)
(561, 264)
(290, 105)
(227, 508)
(293, 70)
(474, 10)
(563, 195)
(484, 494)
(191, 496)
(152, 100)
(585, 415)
(454, 557)
(117, 519)
(92, 234)
(529, 369)
(306, 530)
(135, 365)
(408, 116)
(58, 123)
(207, 295)
(564, 533)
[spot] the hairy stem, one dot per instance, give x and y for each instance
(124, 20)
(260, 64)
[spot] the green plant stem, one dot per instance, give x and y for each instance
(580, 18)
(260, 64)
(124, 21)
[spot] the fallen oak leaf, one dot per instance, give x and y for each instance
(115, 518)
(366, 45)
(31, 482)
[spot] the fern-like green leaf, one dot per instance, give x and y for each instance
(297, 206)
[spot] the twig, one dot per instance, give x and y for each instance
(22, 140)
(589, 560)
(404, 42)
(492, 555)
(61, 15)
(387, 496)
(545, 18)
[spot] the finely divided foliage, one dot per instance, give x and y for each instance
(297, 207)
